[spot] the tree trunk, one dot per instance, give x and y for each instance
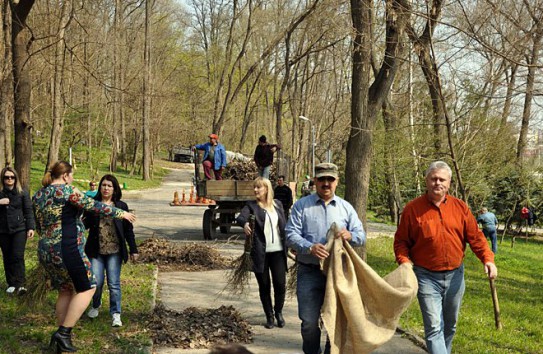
(20, 42)
(146, 97)
(5, 90)
(58, 87)
(393, 194)
(508, 98)
(366, 99)
(529, 94)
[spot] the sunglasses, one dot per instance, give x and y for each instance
(327, 179)
(9, 177)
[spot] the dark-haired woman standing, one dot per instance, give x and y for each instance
(58, 207)
(106, 248)
(16, 225)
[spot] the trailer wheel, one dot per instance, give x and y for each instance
(226, 218)
(208, 225)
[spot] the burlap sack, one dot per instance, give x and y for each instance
(361, 310)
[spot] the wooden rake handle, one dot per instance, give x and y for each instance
(496, 304)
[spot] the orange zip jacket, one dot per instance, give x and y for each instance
(435, 237)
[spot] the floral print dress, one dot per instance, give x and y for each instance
(58, 209)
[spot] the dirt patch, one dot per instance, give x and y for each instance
(195, 328)
(192, 257)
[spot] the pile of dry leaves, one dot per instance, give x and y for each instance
(171, 256)
(198, 328)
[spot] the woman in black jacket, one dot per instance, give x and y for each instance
(269, 252)
(16, 225)
(106, 248)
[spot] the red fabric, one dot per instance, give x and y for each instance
(435, 238)
(524, 213)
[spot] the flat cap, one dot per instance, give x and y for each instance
(326, 169)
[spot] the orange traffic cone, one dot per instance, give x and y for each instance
(191, 198)
(183, 200)
(176, 199)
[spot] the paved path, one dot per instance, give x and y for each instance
(179, 290)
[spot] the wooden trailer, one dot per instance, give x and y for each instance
(230, 196)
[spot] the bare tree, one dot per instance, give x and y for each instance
(147, 97)
(58, 83)
(20, 42)
(368, 98)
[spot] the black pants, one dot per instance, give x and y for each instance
(275, 263)
(13, 251)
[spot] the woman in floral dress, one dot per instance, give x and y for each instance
(58, 207)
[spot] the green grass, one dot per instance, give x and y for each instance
(83, 173)
(28, 330)
(519, 290)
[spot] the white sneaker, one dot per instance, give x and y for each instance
(93, 312)
(116, 320)
(10, 290)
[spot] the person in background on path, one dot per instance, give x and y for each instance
(106, 248)
(214, 157)
(264, 156)
(489, 223)
(269, 252)
(433, 232)
(58, 206)
(91, 193)
(306, 186)
(16, 225)
(306, 230)
(283, 193)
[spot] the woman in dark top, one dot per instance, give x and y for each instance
(106, 248)
(58, 206)
(269, 252)
(16, 225)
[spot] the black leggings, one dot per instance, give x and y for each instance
(275, 263)
(13, 250)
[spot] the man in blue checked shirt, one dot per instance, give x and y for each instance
(310, 219)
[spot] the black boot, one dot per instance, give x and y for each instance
(61, 340)
(280, 319)
(269, 321)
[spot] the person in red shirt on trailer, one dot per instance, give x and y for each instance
(433, 232)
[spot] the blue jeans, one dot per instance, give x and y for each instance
(111, 263)
(440, 296)
(264, 172)
(311, 286)
(493, 236)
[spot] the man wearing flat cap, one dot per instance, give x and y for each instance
(214, 157)
(310, 219)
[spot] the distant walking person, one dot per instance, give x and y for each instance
(16, 225)
(58, 207)
(214, 157)
(283, 193)
(264, 156)
(490, 223)
(106, 248)
(433, 233)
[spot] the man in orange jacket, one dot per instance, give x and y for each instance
(433, 232)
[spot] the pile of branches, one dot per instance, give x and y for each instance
(191, 257)
(244, 171)
(196, 328)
